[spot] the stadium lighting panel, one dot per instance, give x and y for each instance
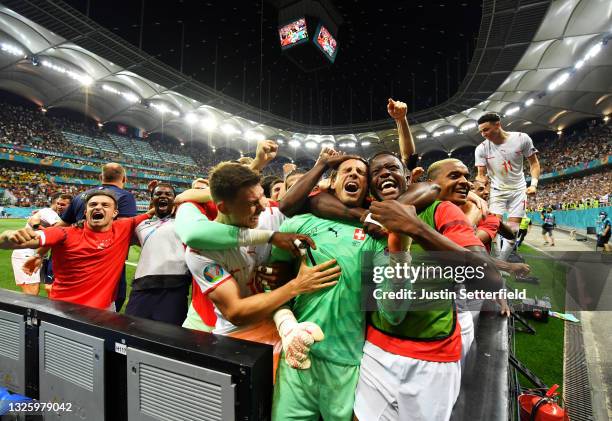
(529, 102)
(311, 145)
(209, 124)
(83, 79)
(12, 50)
(513, 110)
(229, 130)
(294, 143)
(365, 143)
(468, 126)
(421, 136)
(191, 118)
(128, 96)
(559, 81)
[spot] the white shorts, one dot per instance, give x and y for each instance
(467, 332)
(20, 277)
(512, 202)
(393, 387)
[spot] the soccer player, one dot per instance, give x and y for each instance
(327, 388)
(161, 284)
(548, 225)
(500, 157)
(113, 178)
(603, 231)
(225, 278)
(409, 364)
(88, 259)
(46, 217)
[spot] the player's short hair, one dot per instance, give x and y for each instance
(112, 172)
(59, 195)
(334, 173)
(167, 185)
(489, 118)
(268, 182)
(101, 192)
(229, 177)
(199, 180)
(434, 169)
(382, 153)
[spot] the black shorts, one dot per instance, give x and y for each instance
(601, 241)
(162, 304)
(547, 229)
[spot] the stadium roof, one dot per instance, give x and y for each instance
(543, 64)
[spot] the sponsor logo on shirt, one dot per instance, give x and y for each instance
(213, 273)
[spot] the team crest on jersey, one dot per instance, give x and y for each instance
(213, 273)
(359, 234)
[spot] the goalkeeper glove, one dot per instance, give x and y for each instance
(297, 338)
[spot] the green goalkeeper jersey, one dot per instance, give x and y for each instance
(338, 309)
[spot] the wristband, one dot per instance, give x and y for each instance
(254, 237)
(371, 220)
(534, 182)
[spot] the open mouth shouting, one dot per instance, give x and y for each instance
(163, 204)
(388, 188)
(352, 188)
(97, 215)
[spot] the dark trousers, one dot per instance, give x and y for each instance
(162, 304)
(121, 292)
(521, 236)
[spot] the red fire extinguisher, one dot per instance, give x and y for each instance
(535, 407)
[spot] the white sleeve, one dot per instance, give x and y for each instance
(207, 273)
(48, 217)
(527, 147)
(479, 156)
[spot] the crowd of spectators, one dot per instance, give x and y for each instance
(575, 193)
(594, 142)
(26, 127)
(30, 186)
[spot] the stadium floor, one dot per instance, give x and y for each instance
(542, 353)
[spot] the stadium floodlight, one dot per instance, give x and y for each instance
(109, 88)
(349, 144)
(280, 141)
(161, 108)
(468, 126)
(228, 129)
(529, 102)
(579, 64)
(593, 51)
(606, 118)
(209, 123)
(365, 143)
(311, 145)
(513, 110)
(421, 136)
(252, 135)
(191, 118)
(12, 50)
(130, 97)
(294, 143)
(558, 81)
(559, 132)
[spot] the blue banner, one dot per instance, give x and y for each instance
(575, 218)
